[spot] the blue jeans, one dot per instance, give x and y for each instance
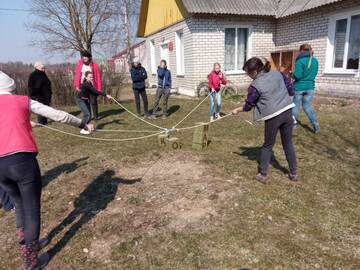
(305, 98)
(84, 106)
(215, 96)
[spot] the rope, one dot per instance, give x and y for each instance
(204, 124)
(126, 131)
(101, 139)
(192, 111)
(133, 114)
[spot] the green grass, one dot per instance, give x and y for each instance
(199, 209)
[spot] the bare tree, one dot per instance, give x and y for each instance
(75, 25)
(130, 9)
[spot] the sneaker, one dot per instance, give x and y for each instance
(218, 116)
(164, 116)
(261, 178)
(153, 116)
(84, 132)
(293, 177)
(316, 128)
(212, 119)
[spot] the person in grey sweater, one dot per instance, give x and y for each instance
(271, 96)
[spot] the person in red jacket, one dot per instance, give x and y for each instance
(20, 175)
(87, 64)
(216, 78)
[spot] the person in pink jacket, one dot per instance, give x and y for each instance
(87, 64)
(216, 78)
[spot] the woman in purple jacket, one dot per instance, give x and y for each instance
(271, 96)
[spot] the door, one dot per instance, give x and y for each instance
(164, 53)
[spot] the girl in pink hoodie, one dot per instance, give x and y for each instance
(216, 78)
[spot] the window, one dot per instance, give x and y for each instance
(344, 43)
(152, 57)
(236, 48)
(164, 53)
(180, 63)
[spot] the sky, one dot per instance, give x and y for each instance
(15, 36)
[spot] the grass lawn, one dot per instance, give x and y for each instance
(133, 205)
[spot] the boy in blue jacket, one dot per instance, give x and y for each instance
(164, 86)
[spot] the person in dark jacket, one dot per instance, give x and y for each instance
(83, 98)
(138, 76)
(164, 86)
(39, 87)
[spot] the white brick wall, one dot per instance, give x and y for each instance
(168, 34)
(204, 37)
(312, 27)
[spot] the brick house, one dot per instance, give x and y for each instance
(193, 34)
(119, 62)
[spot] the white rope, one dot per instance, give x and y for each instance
(126, 131)
(192, 111)
(101, 139)
(204, 124)
(133, 114)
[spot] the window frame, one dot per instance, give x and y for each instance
(329, 69)
(180, 65)
(153, 57)
(161, 49)
(249, 46)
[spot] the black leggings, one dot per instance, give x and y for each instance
(283, 122)
(20, 177)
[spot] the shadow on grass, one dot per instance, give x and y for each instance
(95, 198)
(305, 126)
(111, 112)
(173, 109)
(75, 113)
(63, 168)
(253, 153)
(102, 125)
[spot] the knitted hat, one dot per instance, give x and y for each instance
(6, 83)
(86, 54)
(39, 65)
(136, 60)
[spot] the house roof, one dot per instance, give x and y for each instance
(234, 7)
(276, 8)
(290, 7)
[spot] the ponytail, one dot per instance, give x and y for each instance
(257, 64)
(307, 47)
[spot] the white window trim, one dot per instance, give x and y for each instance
(249, 46)
(153, 57)
(166, 42)
(178, 52)
(329, 69)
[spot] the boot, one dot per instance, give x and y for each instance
(29, 254)
(21, 238)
